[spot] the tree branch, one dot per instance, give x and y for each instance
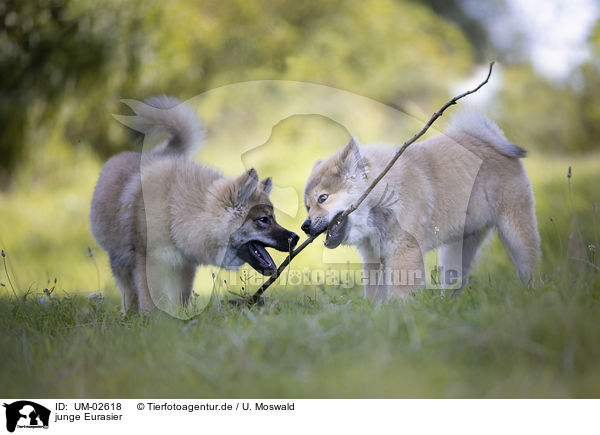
(256, 296)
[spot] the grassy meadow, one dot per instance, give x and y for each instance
(280, 85)
(497, 339)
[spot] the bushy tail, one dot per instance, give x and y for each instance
(477, 125)
(165, 114)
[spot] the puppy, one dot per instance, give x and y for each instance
(448, 191)
(159, 215)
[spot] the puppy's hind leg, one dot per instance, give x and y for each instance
(517, 228)
(125, 281)
(141, 283)
(456, 259)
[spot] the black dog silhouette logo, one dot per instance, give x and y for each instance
(26, 414)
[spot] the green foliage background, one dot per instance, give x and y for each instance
(65, 64)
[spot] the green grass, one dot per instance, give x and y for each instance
(498, 339)
(495, 340)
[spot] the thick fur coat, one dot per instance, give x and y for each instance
(159, 215)
(448, 191)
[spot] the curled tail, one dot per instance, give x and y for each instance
(477, 125)
(165, 114)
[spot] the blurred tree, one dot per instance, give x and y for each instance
(43, 49)
(588, 88)
(66, 63)
(388, 50)
(488, 25)
(560, 117)
(56, 50)
(457, 11)
(589, 103)
(539, 113)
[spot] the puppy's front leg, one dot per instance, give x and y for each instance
(169, 281)
(188, 272)
(404, 271)
(375, 289)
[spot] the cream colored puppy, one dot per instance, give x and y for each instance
(448, 191)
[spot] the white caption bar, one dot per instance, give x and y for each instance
(248, 416)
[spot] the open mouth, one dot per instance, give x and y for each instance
(255, 254)
(336, 232)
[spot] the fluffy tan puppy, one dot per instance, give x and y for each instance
(448, 191)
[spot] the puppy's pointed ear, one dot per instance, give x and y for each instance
(351, 162)
(267, 185)
(246, 185)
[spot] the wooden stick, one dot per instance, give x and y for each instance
(256, 296)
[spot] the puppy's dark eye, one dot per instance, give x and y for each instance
(322, 198)
(263, 220)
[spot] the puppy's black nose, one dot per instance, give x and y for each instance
(306, 226)
(293, 239)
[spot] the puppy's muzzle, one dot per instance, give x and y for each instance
(293, 239)
(312, 228)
